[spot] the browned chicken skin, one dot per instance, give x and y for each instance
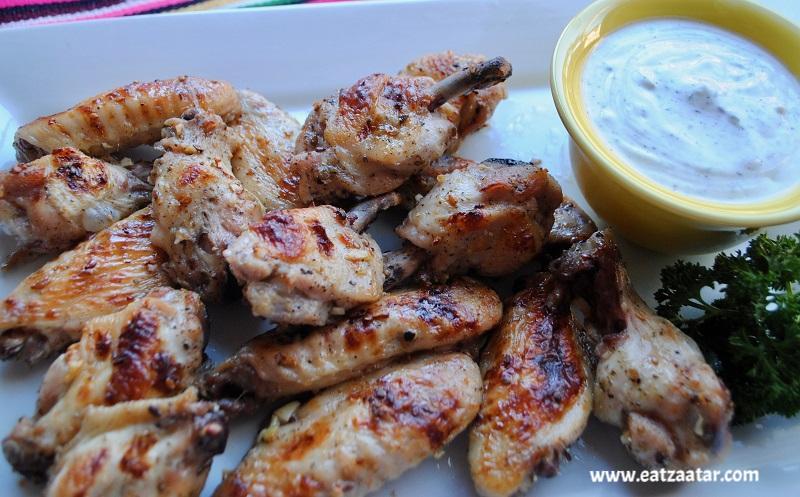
(263, 141)
(100, 276)
(537, 392)
(276, 365)
(152, 348)
(474, 108)
(124, 117)
(371, 137)
(198, 204)
(146, 448)
(351, 439)
(652, 380)
(54, 202)
(491, 218)
(300, 266)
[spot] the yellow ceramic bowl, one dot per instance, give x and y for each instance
(637, 207)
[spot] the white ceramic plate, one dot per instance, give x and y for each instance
(295, 55)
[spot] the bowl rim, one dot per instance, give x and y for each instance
(743, 215)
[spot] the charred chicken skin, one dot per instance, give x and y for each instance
(47, 310)
(652, 380)
(152, 348)
(263, 141)
(492, 218)
(371, 137)
(56, 201)
(154, 448)
(276, 365)
(300, 266)
(124, 117)
(537, 392)
(198, 204)
(350, 440)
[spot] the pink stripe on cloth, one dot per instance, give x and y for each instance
(4, 4)
(121, 10)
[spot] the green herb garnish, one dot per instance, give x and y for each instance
(751, 333)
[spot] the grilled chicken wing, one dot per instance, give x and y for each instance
(152, 448)
(484, 217)
(299, 266)
(537, 392)
(371, 137)
(198, 204)
(124, 117)
(152, 348)
(351, 439)
(54, 202)
(263, 141)
(570, 223)
(651, 379)
(274, 365)
(474, 108)
(100, 276)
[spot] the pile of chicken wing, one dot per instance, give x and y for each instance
(377, 360)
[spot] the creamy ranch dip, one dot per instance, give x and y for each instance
(696, 108)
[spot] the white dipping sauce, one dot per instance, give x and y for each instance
(696, 108)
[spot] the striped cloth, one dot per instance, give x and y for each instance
(32, 12)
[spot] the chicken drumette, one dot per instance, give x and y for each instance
(474, 108)
(351, 439)
(371, 137)
(152, 448)
(54, 202)
(537, 391)
(651, 380)
(198, 204)
(124, 117)
(299, 266)
(491, 217)
(152, 348)
(46, 311)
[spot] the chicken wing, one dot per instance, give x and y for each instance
(152, 448)
(275, 365)
(100, 276)
(371, 137)
(152, 348)
(198, 204)
(483, 217)
(570, 223)
(263, 141)
(54, 202)
(299, 266)
(124, 117)
(536, 392)
(352, 439)
(474, 108)
(652, 380)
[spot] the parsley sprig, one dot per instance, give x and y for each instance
(750, 333)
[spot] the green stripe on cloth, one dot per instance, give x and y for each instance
(269, 3)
